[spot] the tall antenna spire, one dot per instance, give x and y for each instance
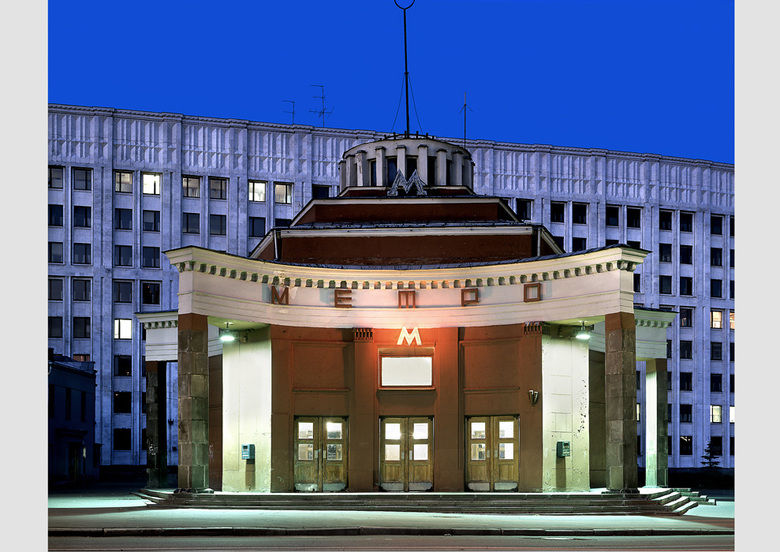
(293, 109)
(406, 66)
(464, 109)
(321, 112)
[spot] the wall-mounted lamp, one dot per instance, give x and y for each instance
(226, 336)
(533, 396)
(582, 334)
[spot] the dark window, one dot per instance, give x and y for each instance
(669, 444)
(579, 244)
(716, 225)
(579, 213)
(669, 407)
(55, 215)
(686, 413)
(731, 289)
(319, 192)
(282, 223)
(731, 354)
(686, 445)
(716, 287)
(686, 221)
(217, 225)
(639, 445)
(716, 383)
(55, 289)
(55, 177)
(637, 283)
(256, 227)
(669, 351)
(686, 381)
(392, 169)
(686, 349)
(633, 217)
(190, 223)
(731, 383)
(82, 179)
(123, 255)
(611, 242)
(731, 226)
(150, 293)
(665, 252)
(635, 244)
(731, 258)
(557, 211)
(667, 308)
(82, 289)
(82, 253)
(217, 188)
(68, 403)
(257, 190)
(686, 317)
(123, 291)
(122, 439)
(686, 285)
(143, 411)
(283, 192)
(55, 326)
(123, 181)
(665, 284)
(123, 402)
(664, 220)
(686, 254)
(123, 219)
(716, 256)
(525, 209)
(55, 252)
(151, 257)
(559, 241)
(81, 327)
(716, 350)
(411, 165)
(151, 221)
(716, 445)
(190, 186)
(123, 365)
(83, 407)
(731, 446)
(613, 215)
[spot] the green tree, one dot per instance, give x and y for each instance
(710, 459)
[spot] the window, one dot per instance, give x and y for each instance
(667, 308)
(257, 190)
(664, 220)
(55, 326)
(731, 446)
(686, 221)
(55, 252)
(613, 215)
(731, 352)
(731, 414)
(320, 192)
(686, 413)
(731, 320)
(150, 293)
(716, 350)
(151, 221)
(668, 412)
(55, 289)
(123, 401)
(82, 289)
(633, 217)
(637, 283)
(731, 383)
(665, 252)
(686, 285)
(716, 445)
(283, 192)
(686, 445)
(412, 371)
(686, 317)
(81, 327)
(638, 379)
(282, 223)
(82, 216)
(218, 188)
(123, 328)
(716, 256)
(686, 381)
(610, 242)
(150, 183)
(123, 182)
(716, 414)
(579, 244)
(635, 244)
(558, 241)
(82, 179)
(686, 254)
(731, 226)
(716, 319)
(123, 219)
(82, 253)
(150, 257)
(686, 349)
(665, 284)
(123, 291)
(55, 177)
(525, 209)
(579, 213)
(217, 225)
(731, 258)
(638, 412)
(122, 439)
(557, 211)
(68, 403)
(716, 225)
(190, 186)
(190, 223)
(256, 227)
(669, 444)
(731, 289)
(123, 255)
(55, 215)
(669, 350)
(123, 365)
(716, 383)
(716, 287)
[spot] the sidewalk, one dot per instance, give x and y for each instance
(122, 514)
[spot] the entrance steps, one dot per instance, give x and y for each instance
(696, 496)
(660, 501)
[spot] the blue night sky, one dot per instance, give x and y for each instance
(645, 76)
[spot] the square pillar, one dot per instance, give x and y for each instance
(620, 399)
(193, 403)
(156, 432)
(597, 423)
(656, 455)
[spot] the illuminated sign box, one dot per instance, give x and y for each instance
(413, 371)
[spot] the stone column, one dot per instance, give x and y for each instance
(381, 167)
(193, 402)
(400, 160)
(457, 169)
(596, 420)
(468, 176)
(342, 176)
(656, 456)
(620, 398)
(361, 165)
(422, 163)
(156, 432)
(351, 168)
(441, 167)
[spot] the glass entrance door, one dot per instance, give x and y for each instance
(491, 453)
(320, 454)
(406, 454)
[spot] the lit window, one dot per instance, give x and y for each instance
(407, 371)
(218, 188)
(716, 414)
(257, 190)
(190, 186)
(283, 192)
(123, 328)
(123, 182)
(638, 412)
(82, 179)
(731, 414)
(731, 320)
(55, 177)
(716, 319)
(150, 183)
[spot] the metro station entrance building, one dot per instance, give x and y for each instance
(408, 335)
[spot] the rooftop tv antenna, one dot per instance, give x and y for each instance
(321, 112)
(406, 65)
(464, 109)
(293, 110)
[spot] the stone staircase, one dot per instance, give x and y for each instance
(696, 496)
(663, 501)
